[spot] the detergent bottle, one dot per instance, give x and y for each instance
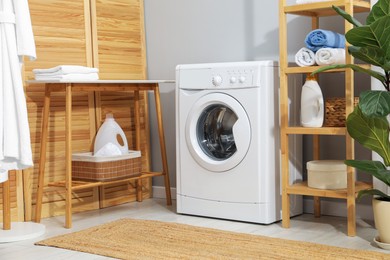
(106, 141)
(312, 104)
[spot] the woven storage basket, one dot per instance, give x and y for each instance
(85, 166)
(335, 111)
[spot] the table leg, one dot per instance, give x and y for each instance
(68, 156)
(6, 205)
(162, 145)
(137, 140)
(42, 156)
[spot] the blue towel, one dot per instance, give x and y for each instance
(318, 39)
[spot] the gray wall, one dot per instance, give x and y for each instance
(198, 31)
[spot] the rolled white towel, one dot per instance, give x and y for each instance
(310, 1)
(69, 77)
(305, 57)
(66, 69)
(330, 56)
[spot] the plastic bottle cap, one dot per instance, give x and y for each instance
(109, 116)
(310, 77)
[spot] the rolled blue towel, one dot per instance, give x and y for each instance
(318, 39)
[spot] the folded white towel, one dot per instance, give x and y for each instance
(310, 1)
(305, 57)
(69, 77)
(3, 175)
(330, 56)
(66, 69)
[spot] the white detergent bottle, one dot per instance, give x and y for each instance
(106, 141)
(312, 104)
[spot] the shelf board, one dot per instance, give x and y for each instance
(302, 189)
(310, 69)
(325, 8)
(78, 185)
(316, 130)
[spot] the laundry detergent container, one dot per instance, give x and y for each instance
(327, 174)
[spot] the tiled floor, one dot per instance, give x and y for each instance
(325, 230)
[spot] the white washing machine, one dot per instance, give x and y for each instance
(227, 125)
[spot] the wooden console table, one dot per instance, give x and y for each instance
(99, 85)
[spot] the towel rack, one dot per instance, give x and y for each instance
(6, 206)
(16, 231)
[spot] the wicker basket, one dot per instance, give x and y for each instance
(335, 111)
(87, 167)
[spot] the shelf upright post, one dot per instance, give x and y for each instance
(283, 62)
(315, 24)
(349, 143)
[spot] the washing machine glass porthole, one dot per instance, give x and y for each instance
(215, 132)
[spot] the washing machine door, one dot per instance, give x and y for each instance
(218, 132)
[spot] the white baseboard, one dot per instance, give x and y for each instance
(330, 208)
(159, 192)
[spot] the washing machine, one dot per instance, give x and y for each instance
(228, 156)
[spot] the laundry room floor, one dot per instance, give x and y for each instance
(325, 230)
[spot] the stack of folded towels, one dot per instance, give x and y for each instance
(322, 48)
(67, 73)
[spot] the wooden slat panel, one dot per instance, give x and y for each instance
(119, 27)
(122, 106)
(119, 53)
(68, 32)
(62, 36)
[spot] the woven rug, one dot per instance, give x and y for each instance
(146, 239)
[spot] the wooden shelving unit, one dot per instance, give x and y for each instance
(315, 11)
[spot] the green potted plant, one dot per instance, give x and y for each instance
(368, 124)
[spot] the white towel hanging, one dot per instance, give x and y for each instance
(16, 40)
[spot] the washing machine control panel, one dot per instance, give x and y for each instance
(239, 77)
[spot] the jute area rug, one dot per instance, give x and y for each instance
(146, 239)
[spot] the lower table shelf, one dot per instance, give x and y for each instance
(301, 188)
(78, 185)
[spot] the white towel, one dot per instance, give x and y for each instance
(310, 1)
(68, 77)
(16, 40)
(66, 69)
(305, 57)
(330, 56)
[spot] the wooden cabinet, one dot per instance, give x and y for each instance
(315, 11)
(105, 34)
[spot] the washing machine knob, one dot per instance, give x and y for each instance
(217, 80)
(242, 79)
(233, 79)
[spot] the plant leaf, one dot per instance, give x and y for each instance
(375, 103)
(371, 132)
(347, 16)
(378, 11)
(374, 168)
(376, 34)
(363, 193)
(362, 36)
(380, 76)
(370, 55)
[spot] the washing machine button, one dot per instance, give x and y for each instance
(233, 80)
(217, 80)
(242, 79)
